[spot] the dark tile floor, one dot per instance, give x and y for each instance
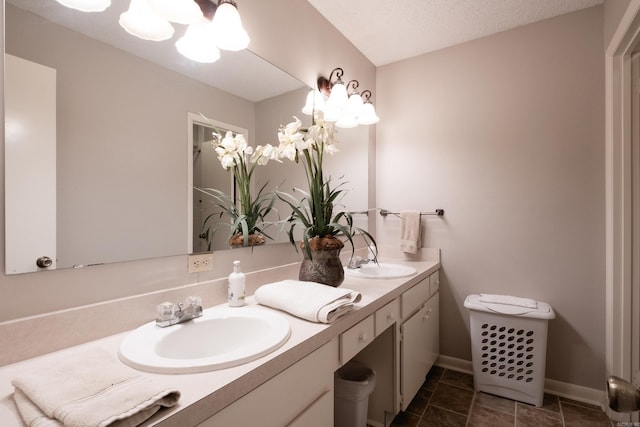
(447, 399)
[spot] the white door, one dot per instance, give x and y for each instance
(30, 164)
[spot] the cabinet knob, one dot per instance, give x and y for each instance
(364, 337)
(426, 315)
(389, 317)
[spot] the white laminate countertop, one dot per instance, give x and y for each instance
(204, 394)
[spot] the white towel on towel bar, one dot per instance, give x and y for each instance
(410, 240)
(308, 300)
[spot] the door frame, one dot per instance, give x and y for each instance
(622, 282)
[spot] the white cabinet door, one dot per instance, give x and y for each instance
(419, 348)
(30, 164)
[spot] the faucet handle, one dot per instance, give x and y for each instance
(166, 311)
(193, 301)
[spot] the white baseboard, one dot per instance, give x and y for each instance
(559, 388)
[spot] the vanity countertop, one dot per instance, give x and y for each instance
(203, 394)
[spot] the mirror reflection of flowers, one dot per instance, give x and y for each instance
(314, 211)
(248, 216)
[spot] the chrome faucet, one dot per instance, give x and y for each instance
(172, 314)
(357, 262)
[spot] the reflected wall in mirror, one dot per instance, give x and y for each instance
(122, 166)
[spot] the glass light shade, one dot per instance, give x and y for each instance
(335, 104)
(315, 102)
(197, 43)
(141, 21)
(354, 105)
(368, 115)
(347, 121)
(229, 32)
(179, 11)
(86, 5)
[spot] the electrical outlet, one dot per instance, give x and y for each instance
(200, 262)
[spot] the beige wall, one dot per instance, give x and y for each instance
(288, 33)
(506, 133)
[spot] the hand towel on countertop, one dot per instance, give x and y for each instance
(410, 231)
(509, 300)
(308, 300)
(90, 388)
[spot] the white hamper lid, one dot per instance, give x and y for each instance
(542, 310)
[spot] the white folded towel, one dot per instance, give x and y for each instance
(91, 388)
(308, 300)
(410, 231)
(508, 300)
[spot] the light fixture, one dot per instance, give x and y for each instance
(143, 22)
(229, 32)
(178, 11)
(212, 25)
(337, 98)
(340, 103)
(86, 5)
(315, 102)
(196, 43)
(368, 114)
(352, 108)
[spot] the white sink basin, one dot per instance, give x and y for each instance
(381, 271)
(223, 337)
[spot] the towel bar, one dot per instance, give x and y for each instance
(438, 212)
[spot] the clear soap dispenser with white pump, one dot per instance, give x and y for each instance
(236, 286)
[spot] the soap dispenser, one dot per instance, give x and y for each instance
(236, 286)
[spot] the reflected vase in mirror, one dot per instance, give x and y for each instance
(239, 240)
(248, 217)
(322, 264)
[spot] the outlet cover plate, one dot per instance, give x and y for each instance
(200, 262)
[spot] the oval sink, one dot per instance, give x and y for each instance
(381, 271)
(223, 337)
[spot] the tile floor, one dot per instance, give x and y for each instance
(447, 399)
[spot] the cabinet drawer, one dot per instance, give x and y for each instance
(355, 339)
(434, 282)
(387, 316)
(413, 299)
(319, 414)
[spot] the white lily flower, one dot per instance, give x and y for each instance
(227, 161)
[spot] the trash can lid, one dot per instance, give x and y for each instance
(513, 306)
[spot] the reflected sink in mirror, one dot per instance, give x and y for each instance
(222, 338)
(381, 271)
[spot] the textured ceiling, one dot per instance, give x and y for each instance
(386, 31)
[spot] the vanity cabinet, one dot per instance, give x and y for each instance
(400, 342)
(419, 348)
(300, 396)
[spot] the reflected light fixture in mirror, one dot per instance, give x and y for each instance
(141, 21)
(86, 5)
(340, 103)
(210, 25)
(178, 11)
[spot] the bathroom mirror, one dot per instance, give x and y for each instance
(122, 108)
